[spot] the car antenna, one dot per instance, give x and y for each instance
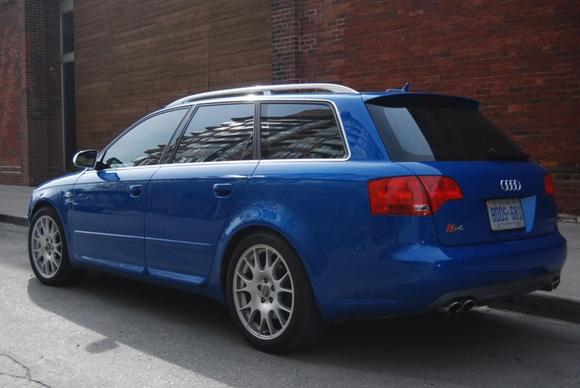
(404, 89)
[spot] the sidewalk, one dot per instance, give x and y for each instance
(563, 303)
(14, 204)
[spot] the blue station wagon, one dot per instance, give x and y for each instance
(300, 204)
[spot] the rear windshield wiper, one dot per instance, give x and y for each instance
(516, 156)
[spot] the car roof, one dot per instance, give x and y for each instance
(302, 92)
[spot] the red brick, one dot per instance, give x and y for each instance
(522, 63)
(138, 55)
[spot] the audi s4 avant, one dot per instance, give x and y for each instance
(297, 205)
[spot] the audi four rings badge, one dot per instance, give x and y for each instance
(510, 185)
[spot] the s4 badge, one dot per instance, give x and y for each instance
(452, 228)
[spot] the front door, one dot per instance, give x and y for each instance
(109, 203)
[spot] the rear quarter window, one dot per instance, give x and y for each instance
(300, 131)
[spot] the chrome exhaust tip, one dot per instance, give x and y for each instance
(458, 306)
(454, 307)
(468, 305)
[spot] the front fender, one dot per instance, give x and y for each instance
(55, 197)
(60, 198)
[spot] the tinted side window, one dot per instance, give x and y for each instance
(300, 131)
(218, 133)
(144, 144)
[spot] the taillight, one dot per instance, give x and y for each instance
(440, 190)
(404, 195)
(411, 195)
(549, 186)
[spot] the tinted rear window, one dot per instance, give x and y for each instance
(439, 131)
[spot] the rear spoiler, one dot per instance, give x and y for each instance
(402, 98)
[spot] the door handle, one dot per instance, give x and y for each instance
(136, 190)
(222, 190)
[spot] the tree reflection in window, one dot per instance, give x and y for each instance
(299, 131)
(218, 133)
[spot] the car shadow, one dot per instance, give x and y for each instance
(196, 333)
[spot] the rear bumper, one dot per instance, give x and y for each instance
(420, 278)
(501, 291)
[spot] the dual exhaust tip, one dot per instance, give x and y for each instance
(459, 306)
(456, 306)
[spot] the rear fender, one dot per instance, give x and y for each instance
(266, 215)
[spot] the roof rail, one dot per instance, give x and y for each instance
(265, 90)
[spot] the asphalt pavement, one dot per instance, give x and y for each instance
(109, 331)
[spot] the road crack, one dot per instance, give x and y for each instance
(26, 375)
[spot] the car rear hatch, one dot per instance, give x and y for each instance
(504, 195)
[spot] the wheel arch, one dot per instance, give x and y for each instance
(240, 235)
(44, 202)
(54, 200)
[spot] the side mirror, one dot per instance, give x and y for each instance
(86, 158)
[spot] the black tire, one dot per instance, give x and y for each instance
(305, 324)
(66, 274)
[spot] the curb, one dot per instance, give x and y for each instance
(548, 306)
(568, 218)
(21, 221)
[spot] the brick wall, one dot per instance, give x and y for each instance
(30, 94)
(44, 130)
(285, 41)
(522, 60)
(12, 98)
(135, 56)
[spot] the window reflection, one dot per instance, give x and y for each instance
(300, 131)
(218, 133)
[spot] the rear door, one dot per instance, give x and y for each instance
(191, 199)
(504, 194)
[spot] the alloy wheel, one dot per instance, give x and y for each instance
(46, 246)
(263, 291)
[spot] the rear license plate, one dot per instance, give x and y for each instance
(505, 214)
